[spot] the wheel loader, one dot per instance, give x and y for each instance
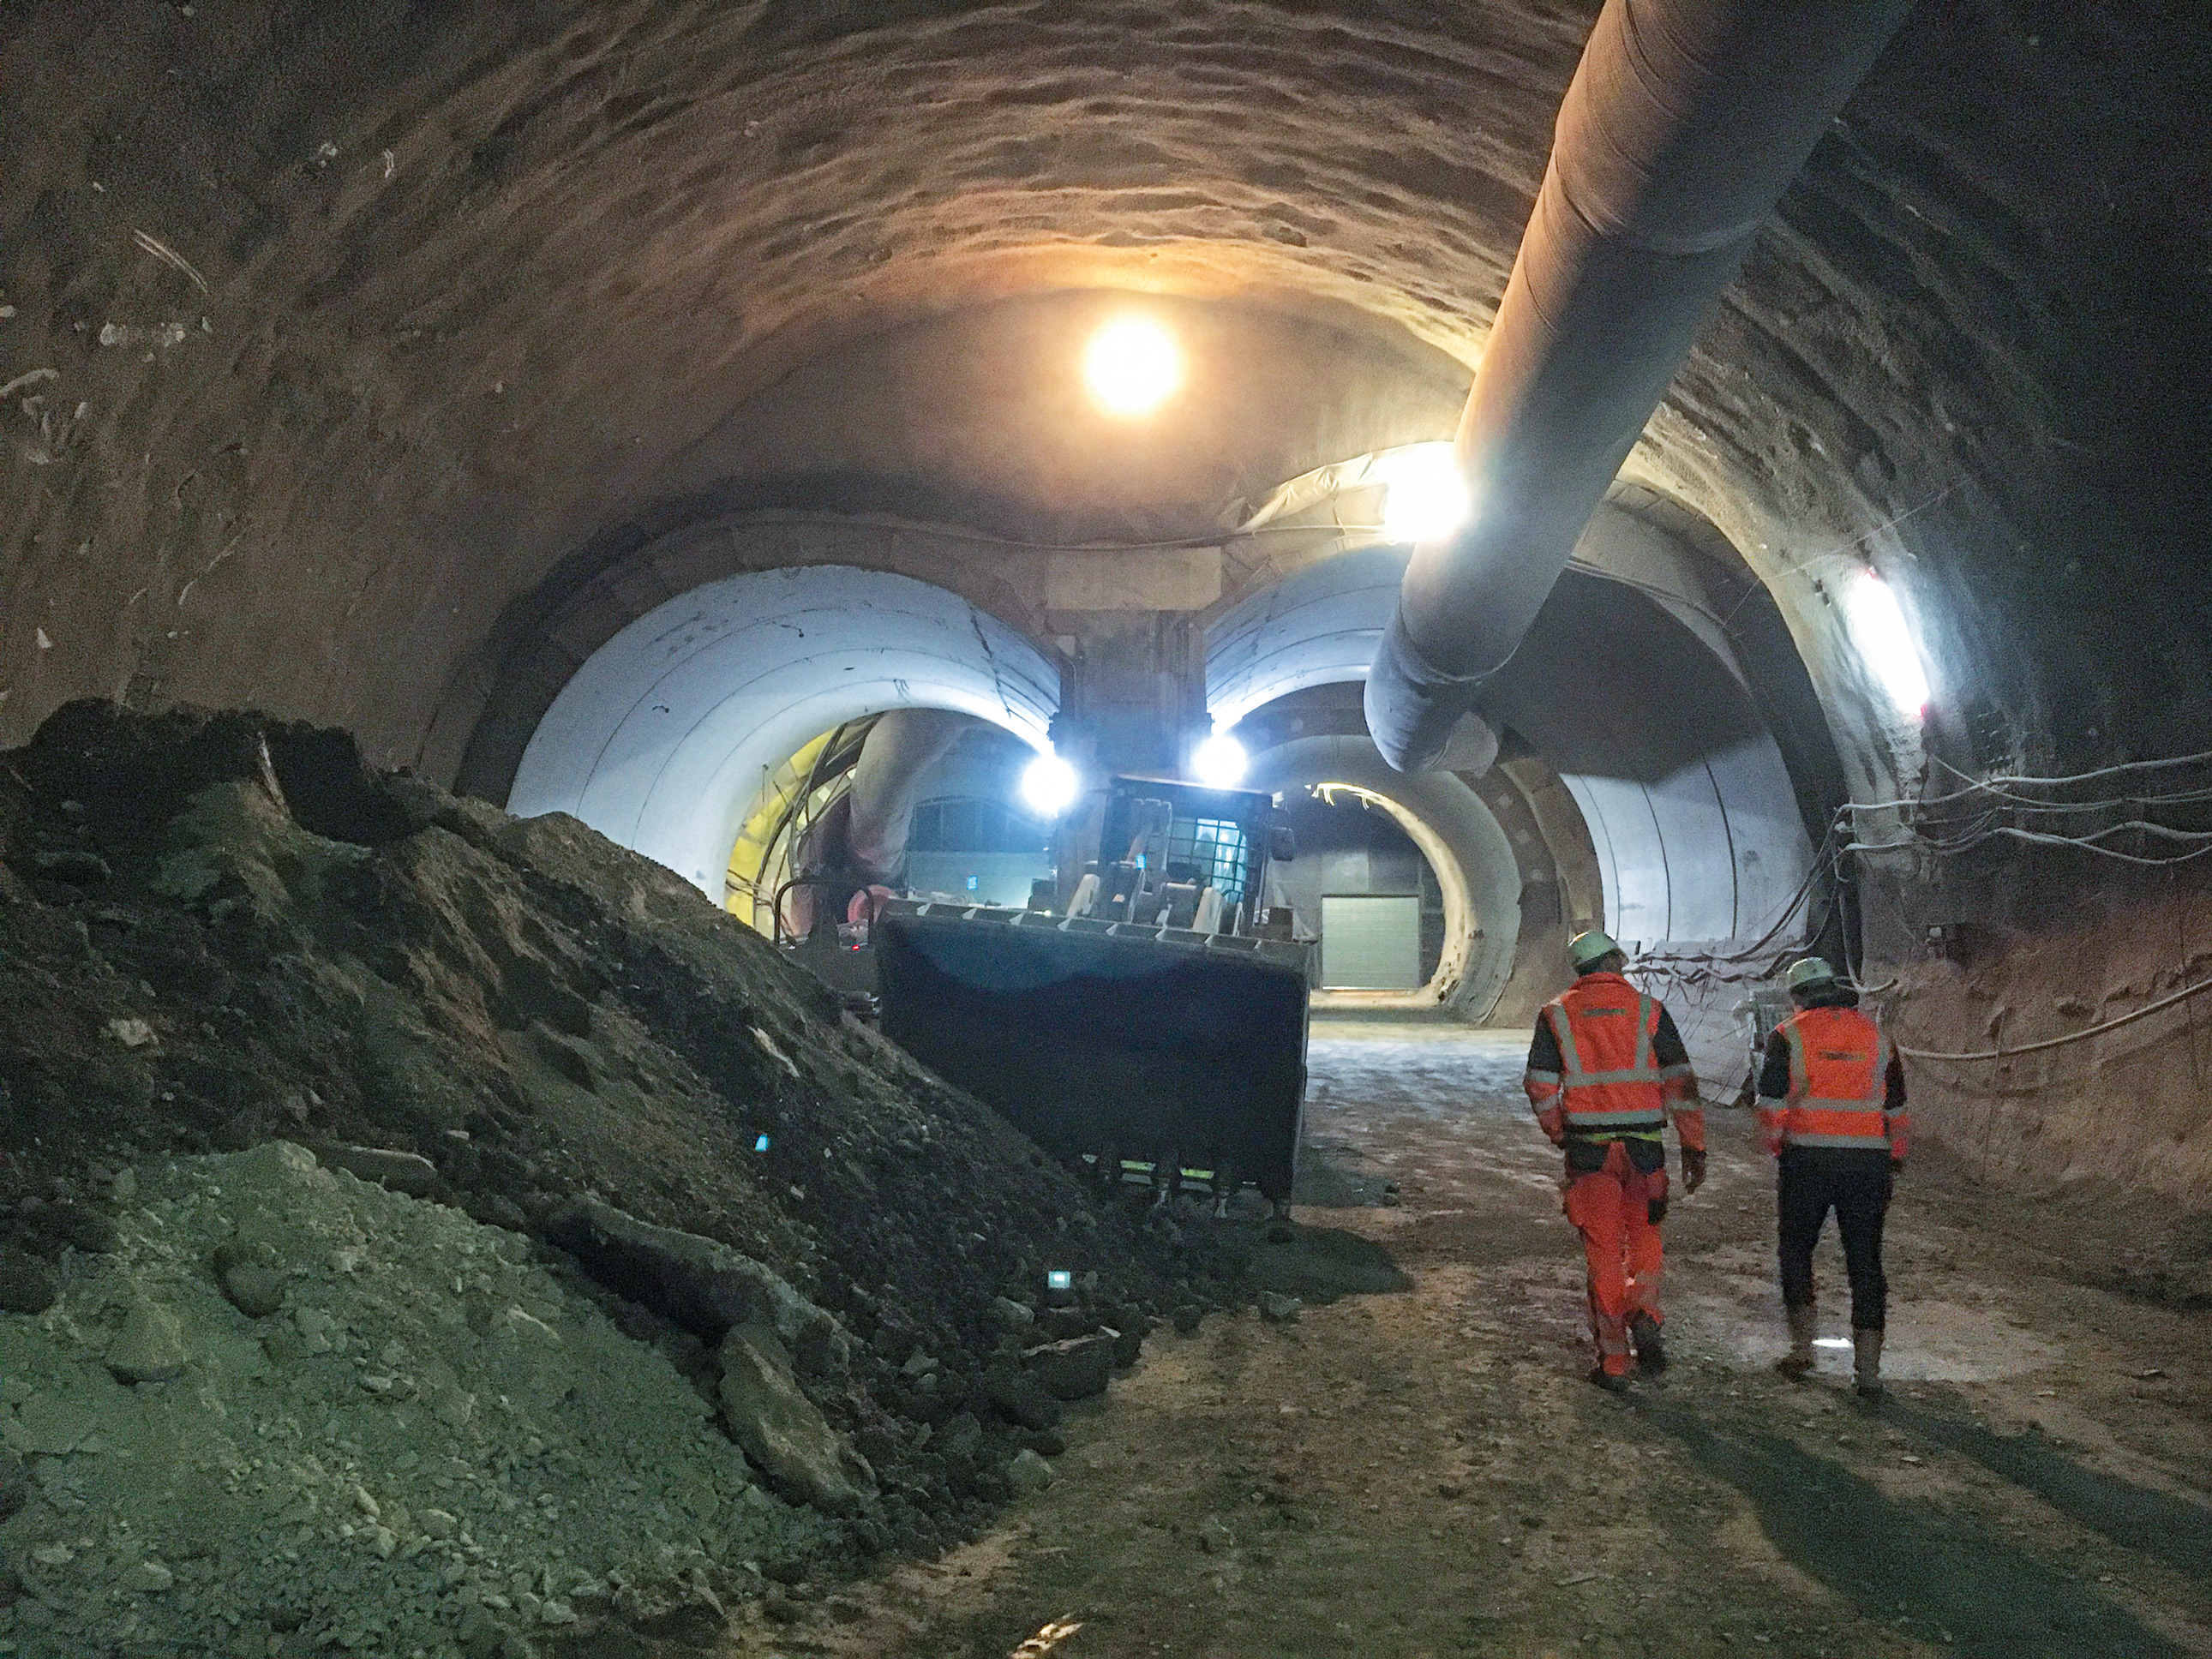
(1153, 1024)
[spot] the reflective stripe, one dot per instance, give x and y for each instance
(1769, 1103)
(1539, 1077)
(1859, 1142)
(1607, 1119)
(1633, 1074)
(1563, 1031)
(1812, 1104)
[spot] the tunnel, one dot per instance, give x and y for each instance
(616, 618)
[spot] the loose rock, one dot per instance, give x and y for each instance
(150, 1348)
(784, 1432)
(255, 1290)
(15, 1483)
(27, 1285)
(1029, 1473)
(403, 1172)
(1278, 1309)
(1074, 1370)
(1021, 1397)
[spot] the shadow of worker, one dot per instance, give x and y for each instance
(1937, 1575)
(2173, 1530)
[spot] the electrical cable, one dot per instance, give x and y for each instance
(1757, 946)
(1984, 786)
(2082, 1036)
(2035, 837)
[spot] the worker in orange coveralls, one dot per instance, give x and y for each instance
(1606, 1070)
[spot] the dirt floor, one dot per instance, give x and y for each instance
(1425, 1470)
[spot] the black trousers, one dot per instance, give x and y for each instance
(1857, 1186)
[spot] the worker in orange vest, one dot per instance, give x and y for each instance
(1606, 1070)
(1832, 1104)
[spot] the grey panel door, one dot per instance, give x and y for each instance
(1371, 942)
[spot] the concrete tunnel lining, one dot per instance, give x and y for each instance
(1465, 846)
(1687, 792)
(661, 738)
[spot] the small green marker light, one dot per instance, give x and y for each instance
(1060, 1279)
(760, 1143)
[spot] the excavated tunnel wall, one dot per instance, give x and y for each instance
(333, 337)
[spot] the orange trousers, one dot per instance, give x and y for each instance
(1611, 1207)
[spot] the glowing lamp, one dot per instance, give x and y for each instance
(1132, 366)
(1884, 640)
(1218, 763)
(1049, 785)
(1425, 494)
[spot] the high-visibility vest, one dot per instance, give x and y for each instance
(1838, 1080)
(1611, 1083)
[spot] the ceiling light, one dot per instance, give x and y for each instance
(1049, 785)
(1426, 495)
(1218, 761)
(1132, 366)
(1884, 640)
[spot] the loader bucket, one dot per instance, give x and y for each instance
(1111, 1039)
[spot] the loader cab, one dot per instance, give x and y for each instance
(1182, 855)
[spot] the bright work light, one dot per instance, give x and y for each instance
(1425, 494)
(1049, 785)
(1885, 641)
(1218, 761)
(1132, 366)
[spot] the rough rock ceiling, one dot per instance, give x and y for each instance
(477, 279)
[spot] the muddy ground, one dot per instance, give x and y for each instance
(1425, 1471)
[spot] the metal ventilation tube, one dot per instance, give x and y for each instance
(1684, 123)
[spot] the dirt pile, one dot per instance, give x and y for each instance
(219, 932)
(371, 1457)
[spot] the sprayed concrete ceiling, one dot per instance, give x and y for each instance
(336, 335)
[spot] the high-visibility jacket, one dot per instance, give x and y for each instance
(1612, 1081)
(1839, 1092)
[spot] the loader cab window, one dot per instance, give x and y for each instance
(964, 825)
(1210, 852)
(977, 851)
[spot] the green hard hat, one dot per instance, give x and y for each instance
(1809, 972)
(1586, 951)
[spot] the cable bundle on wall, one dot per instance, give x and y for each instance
(2049, 822)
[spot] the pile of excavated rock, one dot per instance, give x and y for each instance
(291, 1409)
(420, 1228)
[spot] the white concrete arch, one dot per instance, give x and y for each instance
(1317, 627)
(662, 738)
(1688, 800)
(1464, 845)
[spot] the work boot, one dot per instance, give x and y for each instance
(1797, 1364)
(1866, 1364)
(1609, 1381)
(1650, 1346)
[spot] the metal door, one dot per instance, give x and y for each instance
(1371, 942)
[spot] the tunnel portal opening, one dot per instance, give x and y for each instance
(1363, 888)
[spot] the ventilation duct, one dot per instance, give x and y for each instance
(1684, 123)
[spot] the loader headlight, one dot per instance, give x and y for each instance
(1049, 785)
(1218, 763)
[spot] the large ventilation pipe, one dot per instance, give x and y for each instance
(1684, 123)
(900, 747)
